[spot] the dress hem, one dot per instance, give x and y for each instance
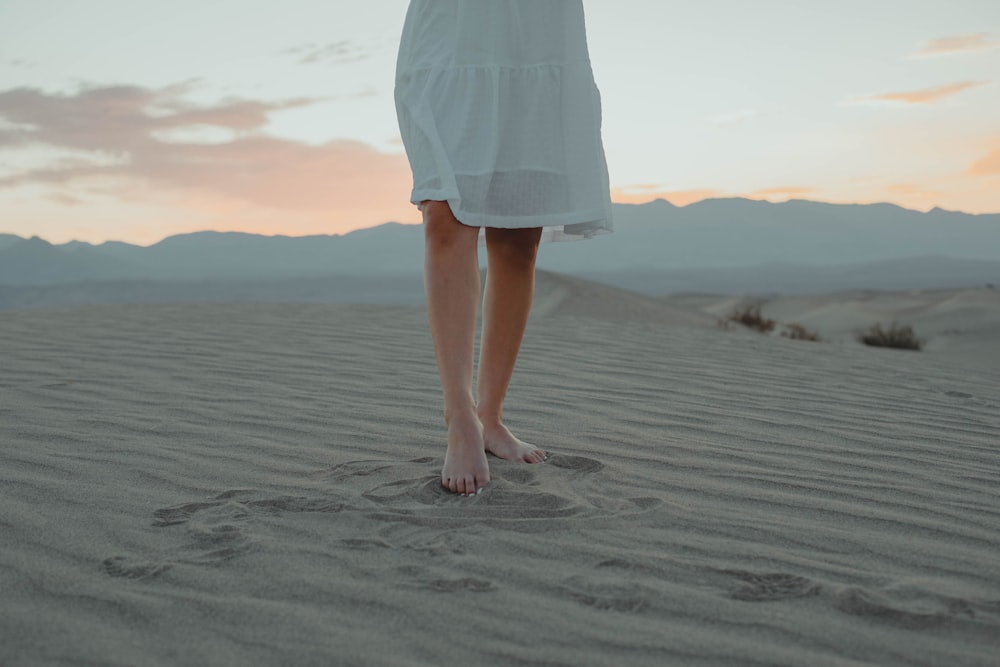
(597, 216)
(575, 226)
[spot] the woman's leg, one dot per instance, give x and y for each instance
(510, 284)
(451, 281)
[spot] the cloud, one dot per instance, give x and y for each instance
(923, 96)
(782, 192)
(989, 165)
(646, 192)
(125, 125)
(122, 118)
(63, 199)
(913, 192)
(336, 53)
(641, 193)
(949, 46)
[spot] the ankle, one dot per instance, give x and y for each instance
(490, 420)
(460, 415)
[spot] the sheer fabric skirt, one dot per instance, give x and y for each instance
(500, 115)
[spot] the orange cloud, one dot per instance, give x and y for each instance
(947, 46)
(335, 179)
(646, 192)
(986, 166)
(926, 95)
(789, 192)
(63, 199)
(122, 118)
(914, 195)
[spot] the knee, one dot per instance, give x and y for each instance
(442, 229)
(515, 248)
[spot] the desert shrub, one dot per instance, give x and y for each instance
(799, 332)
(896, 336)
(749, 315)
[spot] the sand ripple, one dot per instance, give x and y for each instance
(258, 484)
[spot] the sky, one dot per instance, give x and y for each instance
(134, 120)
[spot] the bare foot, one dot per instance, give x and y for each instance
(465, 468)
(501, 443)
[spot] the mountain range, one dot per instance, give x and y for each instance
(727, 245)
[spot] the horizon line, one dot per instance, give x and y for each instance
(654, 200)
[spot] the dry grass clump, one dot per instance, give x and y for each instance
(899, 337)
(799, 332)
(749, 315)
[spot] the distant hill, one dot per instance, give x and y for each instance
(384, 250)
(8, 239)
(35, 261)
(911, 273)
(658, 247)
(731, 233)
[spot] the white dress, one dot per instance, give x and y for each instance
(500, 115)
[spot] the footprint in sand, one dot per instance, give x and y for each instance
(625, 597)
(370, 467)
(405, 537)
(521, 475)
(125, 568)
(909, 609)
(210, 544)
(501, 501)
(516, 494)
(216, 529)
(771, 587)
(239, 503)
(575, 463)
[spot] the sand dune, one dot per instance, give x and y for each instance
(956, 325)
(257, 484)
(558, 294)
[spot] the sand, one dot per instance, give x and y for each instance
(257, 484)
(958, 325)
